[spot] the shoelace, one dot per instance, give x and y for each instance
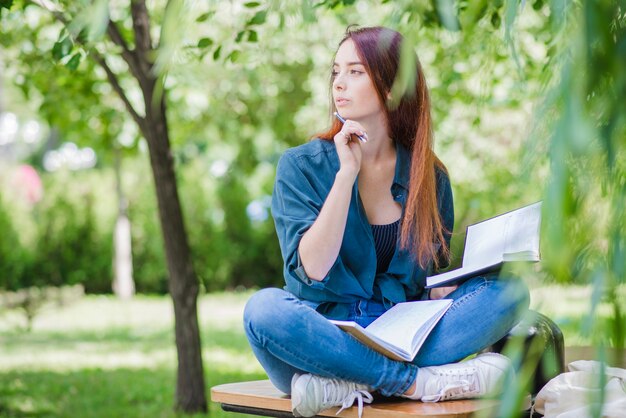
(464, 382)
(332, 397)
(358, 395)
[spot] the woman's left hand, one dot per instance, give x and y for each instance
(441, 292)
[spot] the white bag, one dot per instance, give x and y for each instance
(570, 395)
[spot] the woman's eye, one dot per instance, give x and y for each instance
(335, 73)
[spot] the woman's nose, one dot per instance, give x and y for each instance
(338, 84)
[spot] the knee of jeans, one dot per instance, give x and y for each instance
(263, 309)
(514, 292)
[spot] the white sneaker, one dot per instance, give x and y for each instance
(312, 394)
(480, 376)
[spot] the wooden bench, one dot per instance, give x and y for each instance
(261, 398)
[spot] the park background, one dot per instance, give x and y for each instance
(527, 104)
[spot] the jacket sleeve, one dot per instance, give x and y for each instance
(296, 203)
(295, 206)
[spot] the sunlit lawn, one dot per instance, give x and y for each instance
(101, 357)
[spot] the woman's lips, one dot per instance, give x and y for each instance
(341, 102)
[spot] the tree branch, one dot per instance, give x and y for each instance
(111, 77)
(141, 28)
(118, 89)
(128, 55)
(52, 8)
(118, 39)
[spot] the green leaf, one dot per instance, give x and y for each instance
(473, 13)
(448, 15)
(82, 37)
(233, 56)
(72, 64)
(205, 16)
(334, 4)
(308, 11)
(405, 77)
(239, 36)
(252, 36)
(259, 18)
(62, 48)
(495, 19)
(252, 4)
(217, 52)
(538, 4)
(6, 4)
(91, 22)
(205, 42)
(99, 21)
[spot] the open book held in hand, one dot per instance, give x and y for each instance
(400, 332)
(513, 236)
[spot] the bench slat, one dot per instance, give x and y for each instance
(262, 394)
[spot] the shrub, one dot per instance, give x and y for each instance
(14, 259)
(70, 249)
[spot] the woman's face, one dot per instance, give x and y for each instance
(354, 94)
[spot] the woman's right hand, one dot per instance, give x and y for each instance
(349, 147)
(441, 292)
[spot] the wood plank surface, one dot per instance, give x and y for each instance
(262, 394)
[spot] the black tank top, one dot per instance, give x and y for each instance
(385, 237)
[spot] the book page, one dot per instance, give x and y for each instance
(521, 231)
(420, 338)
(400, 324)
(513, 236)
(371, 341)
(484, 243)
(510, 233)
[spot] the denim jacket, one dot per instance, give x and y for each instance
(304, 177)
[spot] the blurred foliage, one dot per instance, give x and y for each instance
(14, 257)
(72, 244)
(61, 241)
(527, 102)
(229, 249)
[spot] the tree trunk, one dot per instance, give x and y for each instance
(183, 282)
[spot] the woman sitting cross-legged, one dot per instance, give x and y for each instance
(363, 213)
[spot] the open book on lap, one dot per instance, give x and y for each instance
(513, 236)
(400, 332)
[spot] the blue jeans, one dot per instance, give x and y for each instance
(289, 336)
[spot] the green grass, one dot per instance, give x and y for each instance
(101, 357)
(570, 306)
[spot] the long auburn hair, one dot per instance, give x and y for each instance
(410, 123)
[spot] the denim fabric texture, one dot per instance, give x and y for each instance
(288, 335)
(304, 177)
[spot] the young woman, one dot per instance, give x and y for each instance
(361, 222)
